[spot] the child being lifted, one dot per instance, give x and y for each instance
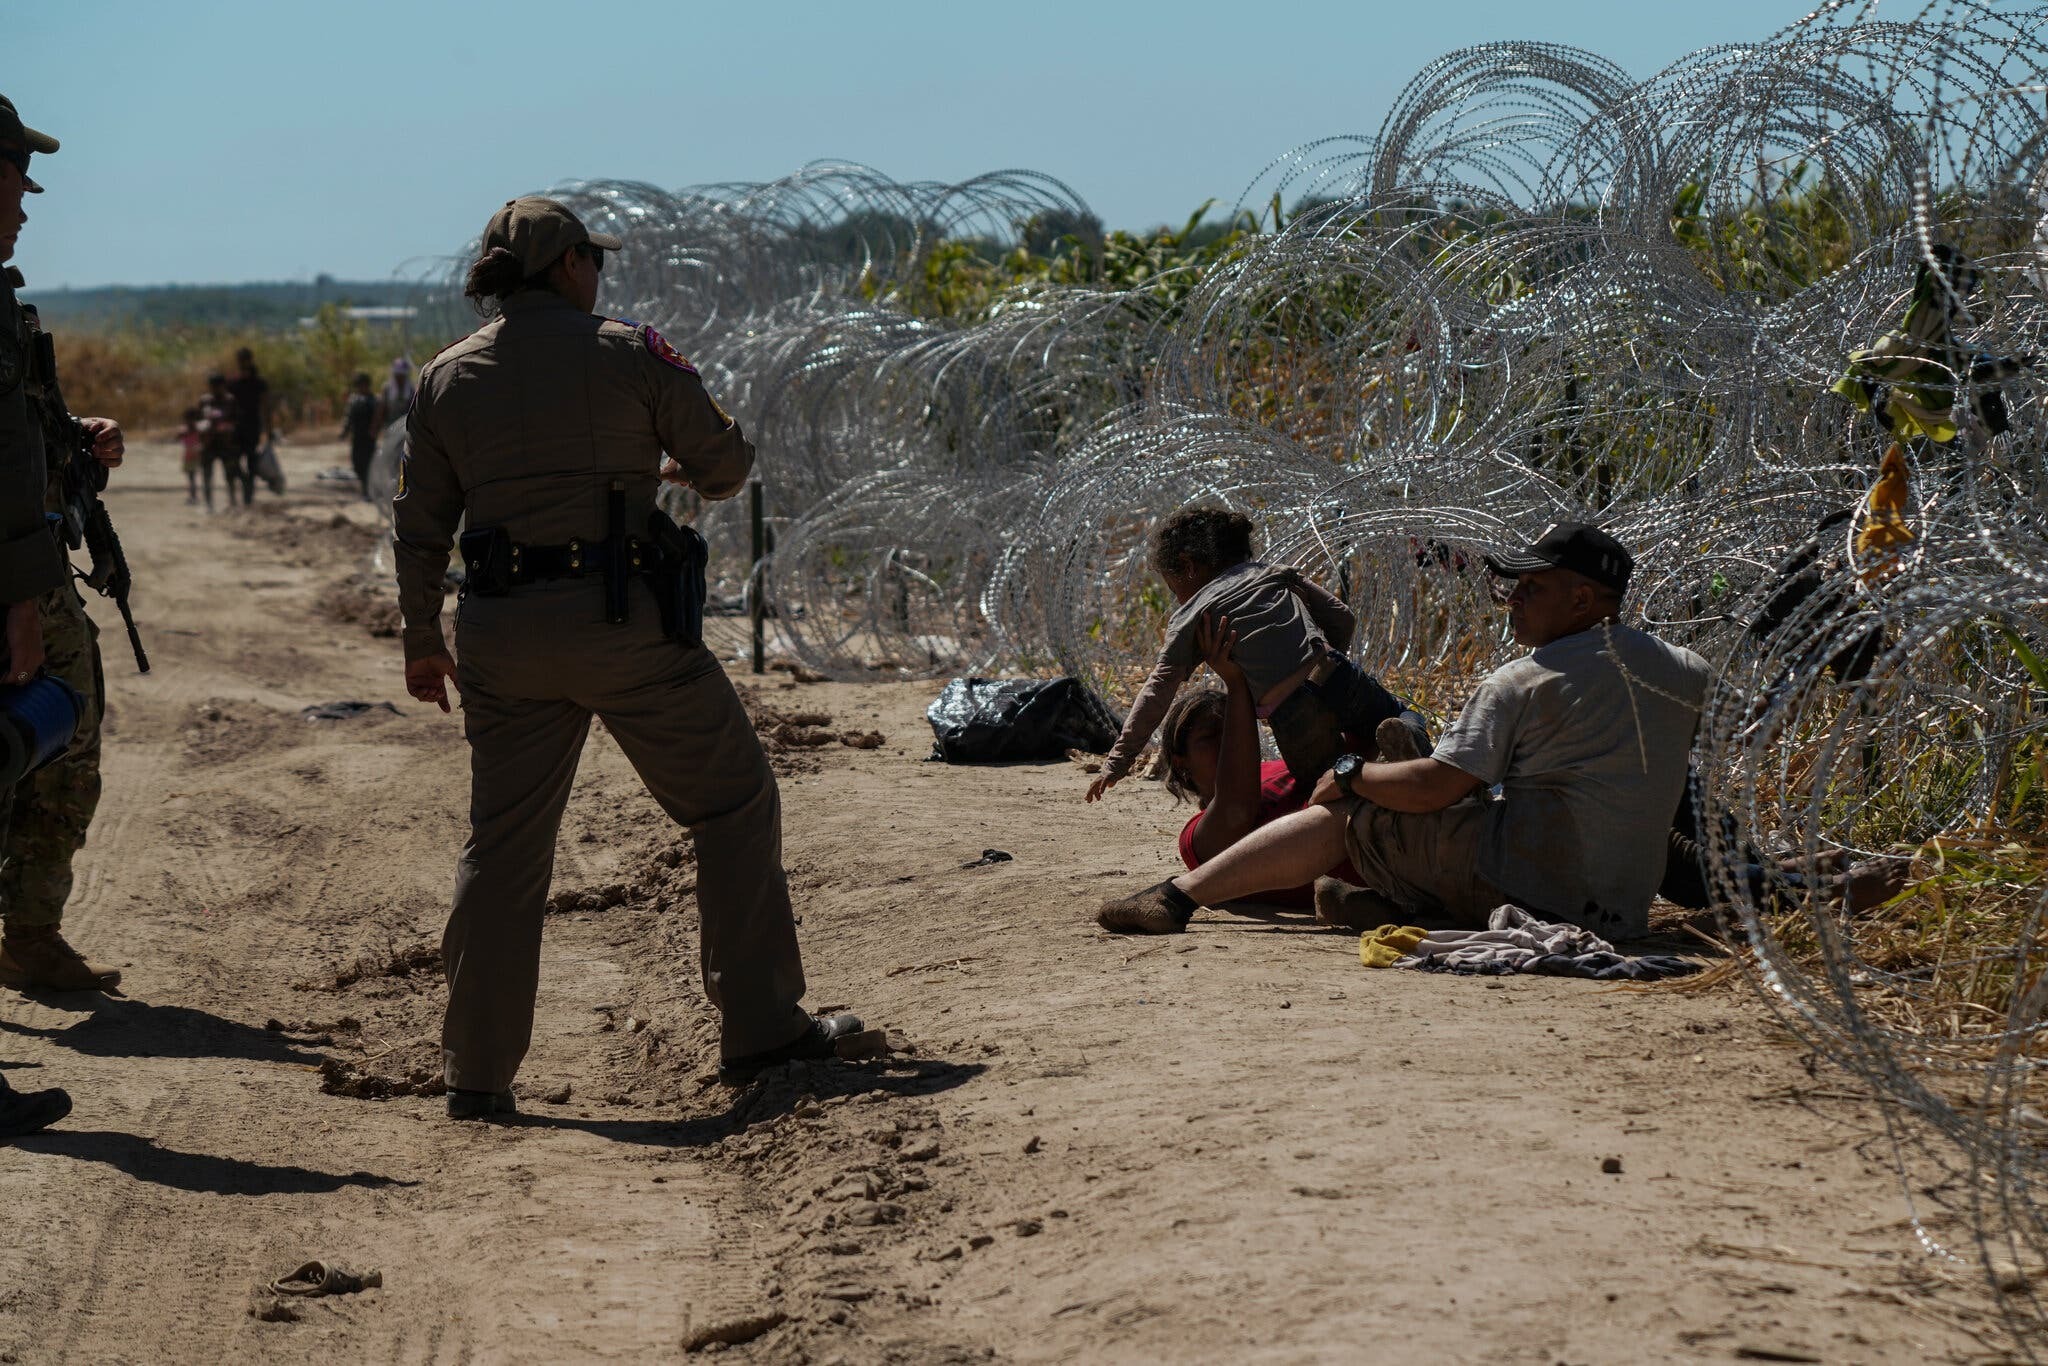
(1291, 638)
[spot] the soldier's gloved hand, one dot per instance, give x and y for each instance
(109, 447)
(427, 679)
(24, 641)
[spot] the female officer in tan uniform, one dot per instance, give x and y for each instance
(546, 428)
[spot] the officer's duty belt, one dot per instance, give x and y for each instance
(672, 560)
(573, 560)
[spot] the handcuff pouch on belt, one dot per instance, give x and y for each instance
(490, 562)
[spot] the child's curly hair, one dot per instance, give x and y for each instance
(1194, 712)
(1208, 537)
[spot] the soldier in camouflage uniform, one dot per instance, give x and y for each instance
(31, 559)
(52, 811)
(52, 808)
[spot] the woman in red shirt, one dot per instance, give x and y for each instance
(1210, 740)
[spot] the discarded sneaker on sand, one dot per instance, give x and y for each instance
(326, 1278)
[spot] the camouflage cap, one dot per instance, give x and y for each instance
(538, 231)
(17, 140)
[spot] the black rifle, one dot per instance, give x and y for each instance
(84, 516)
(86, 523)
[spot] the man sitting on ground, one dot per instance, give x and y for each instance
(1587, 737)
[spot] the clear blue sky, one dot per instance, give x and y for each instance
(227, 140)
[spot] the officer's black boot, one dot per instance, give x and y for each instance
(819, 1041)
(481, 1104)
(25, 1112)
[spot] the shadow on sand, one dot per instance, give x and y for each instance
(120, 1027)
(204, 1173)
(772, 1096)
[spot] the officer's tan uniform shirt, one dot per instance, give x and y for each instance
(31, 562)
(525, 424)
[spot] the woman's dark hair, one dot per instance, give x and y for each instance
(1194, 712)
(1210, 538)
(496, 274)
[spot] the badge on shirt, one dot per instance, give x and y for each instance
(659, 348)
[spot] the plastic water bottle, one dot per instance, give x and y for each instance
(37, 722)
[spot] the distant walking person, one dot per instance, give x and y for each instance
(546, 430)
(359, 428)
(395, 399)
(253, 418)
(217, 446)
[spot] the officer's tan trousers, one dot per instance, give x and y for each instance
(532, 670)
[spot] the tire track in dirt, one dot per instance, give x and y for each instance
(86, 1288)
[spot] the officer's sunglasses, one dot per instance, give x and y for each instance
(592, 253)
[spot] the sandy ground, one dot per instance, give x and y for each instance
(1236, 1145)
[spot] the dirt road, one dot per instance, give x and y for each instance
(1236, 1145)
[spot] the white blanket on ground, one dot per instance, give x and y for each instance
(1512, 939)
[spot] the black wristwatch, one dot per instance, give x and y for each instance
(1345, 769)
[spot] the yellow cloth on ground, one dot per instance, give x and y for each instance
(1388, 945)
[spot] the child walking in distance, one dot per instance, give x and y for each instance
(359, 428)
(1291, 638)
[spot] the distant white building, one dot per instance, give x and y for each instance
(374, 313)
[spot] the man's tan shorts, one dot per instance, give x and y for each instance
(1425, 862)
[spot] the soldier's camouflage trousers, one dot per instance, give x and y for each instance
(53, 808)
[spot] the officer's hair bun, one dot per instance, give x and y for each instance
(496, 273)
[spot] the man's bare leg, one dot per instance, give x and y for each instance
(1291, 852)
(1287, 853)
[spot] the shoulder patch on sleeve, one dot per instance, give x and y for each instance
(659, 348)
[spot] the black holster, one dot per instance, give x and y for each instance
(488, 560)
(678, 580)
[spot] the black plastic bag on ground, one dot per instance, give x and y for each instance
(993, 720)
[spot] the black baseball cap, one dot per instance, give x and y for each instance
(1577, 546)
(18, 141)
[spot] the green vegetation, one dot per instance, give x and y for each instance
(967, 279)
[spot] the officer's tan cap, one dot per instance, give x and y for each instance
(18, 139)
(538, 231)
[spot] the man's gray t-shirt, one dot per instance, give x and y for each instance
(1591, 759)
